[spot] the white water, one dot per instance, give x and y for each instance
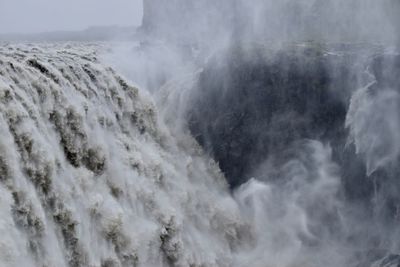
(93, 174)
(373, 120)
(131, 194)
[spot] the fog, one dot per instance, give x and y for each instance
(297, 102)
(29, 16)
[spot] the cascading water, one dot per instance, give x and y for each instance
(91, 177)
(307, 137)
(93, 174)
(268, 137)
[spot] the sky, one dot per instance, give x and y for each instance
(29, 16)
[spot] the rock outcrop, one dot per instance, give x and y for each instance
(253, 110)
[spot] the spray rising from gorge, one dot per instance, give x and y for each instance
(230, 133)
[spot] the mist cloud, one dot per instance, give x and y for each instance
(52, 15)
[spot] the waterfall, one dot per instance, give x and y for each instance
(90, 176)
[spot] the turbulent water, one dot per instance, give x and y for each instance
(231, 133)
(94, 173)
(90, 176)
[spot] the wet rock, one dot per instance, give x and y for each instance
(250, 106)
(35, 64)
(253, 106)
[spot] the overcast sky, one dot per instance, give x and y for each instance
(48, 15)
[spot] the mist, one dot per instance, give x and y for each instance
(220, 133)
(298, 103)
(25, 16)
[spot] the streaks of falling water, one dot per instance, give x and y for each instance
(89, 175)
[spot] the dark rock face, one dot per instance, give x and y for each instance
(250, 107)
(254, 108)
